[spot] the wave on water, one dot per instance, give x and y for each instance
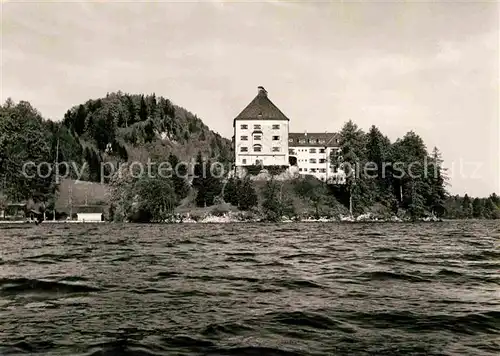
(315, 289)
(25, 285)
(473, 323)
(386, 276)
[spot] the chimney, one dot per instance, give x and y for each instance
(262, 91)
(305, 133)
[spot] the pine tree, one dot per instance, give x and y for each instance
(495, 199)
(200, 181)
(352, 143)
(153, 107)
(143, 110)
(437, 180)
(121, 120)
(179, 173)
(466, 207)
(408, 156)
(79, 121)
(477, 208)
(131, 111)
(491, 211)
(377, 150)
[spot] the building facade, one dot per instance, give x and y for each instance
(261, 134)
(262, 138)
(314, 154)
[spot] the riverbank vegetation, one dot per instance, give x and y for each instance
(385, 179)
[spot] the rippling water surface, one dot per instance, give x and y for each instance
(250, 289)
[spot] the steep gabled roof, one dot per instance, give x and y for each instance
(261, 108)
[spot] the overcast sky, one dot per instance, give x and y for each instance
(423, 66)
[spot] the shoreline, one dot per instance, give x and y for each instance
(229, 219)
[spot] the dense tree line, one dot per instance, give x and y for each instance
(96, 132)
(399, 175)
(25, 138)
(110, 128)
(465, 207)
(402, 176)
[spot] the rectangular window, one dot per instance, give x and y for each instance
(305, 169)
(244, 138)
(300, 169)
(312, 160)
(243, 149)
(322, 160)
(321, 150)
(322, 170)
(244, 127)
(257, 137)
(244, 161)
(276, 149)
(276, 138)
(256, 127)
(276, 127)
(312, 150)
(257, 148)
(313, 170)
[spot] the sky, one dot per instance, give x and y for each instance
(431, 67)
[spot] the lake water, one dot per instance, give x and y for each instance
(250, 289)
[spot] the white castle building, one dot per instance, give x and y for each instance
(262, 138)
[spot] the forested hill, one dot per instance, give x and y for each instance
(135, 127)
(119, 127)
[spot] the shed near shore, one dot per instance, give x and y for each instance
(89, 213)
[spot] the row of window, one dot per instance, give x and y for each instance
(313, 170)
(258, 162)
(313, 160)
(258, 127)
(310, 140)
(258, 148)
(258, 138)
(311, 150)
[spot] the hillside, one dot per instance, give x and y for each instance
(134, 127)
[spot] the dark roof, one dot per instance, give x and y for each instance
(315, 139)
(261, 108)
